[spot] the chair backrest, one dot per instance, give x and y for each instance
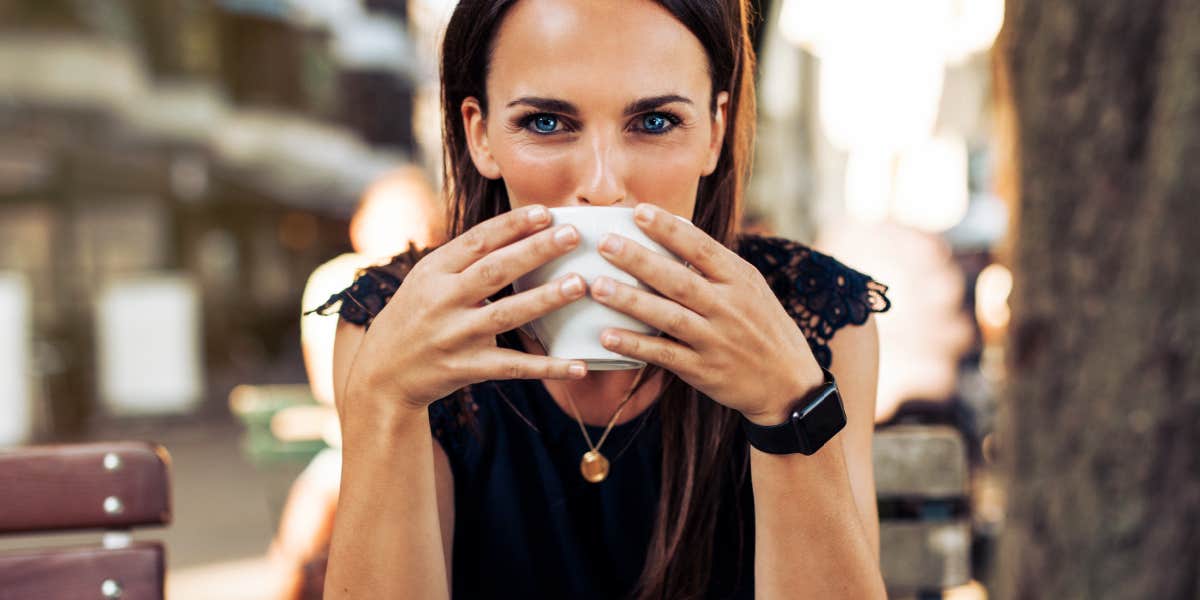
(921, 483)
(111, 487)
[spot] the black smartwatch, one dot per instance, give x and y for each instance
(815, 418)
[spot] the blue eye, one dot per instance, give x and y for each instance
(654, 122)
(658, 122)
(545, 123)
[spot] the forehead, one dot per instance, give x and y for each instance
(580, 49)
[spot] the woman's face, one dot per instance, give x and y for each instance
(601, 103)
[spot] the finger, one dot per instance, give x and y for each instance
(502, 363)
(506, 264)
(660, 272)
(668, 354)
(687, 241)
(660, 313)
(484, 238)
(514, 311)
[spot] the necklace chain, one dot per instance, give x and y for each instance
(595, 466)
(611, 421)
(579, 419)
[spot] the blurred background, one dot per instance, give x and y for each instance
(180, 179)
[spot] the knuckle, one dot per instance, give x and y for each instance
(445, 296)
(515, 224)
(684, 289)
(755, 277)
(442, 346)
(677, 322)
(490, 274)
(624, 296)
(500, 317)
(514, 370)
(543, 245)
(551, 296)
(707, 251)
(666, 355)
(474, 243)
(516, 220)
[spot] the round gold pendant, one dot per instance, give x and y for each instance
(594, 466)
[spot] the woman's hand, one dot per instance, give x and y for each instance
(437, 334)
(733, 340)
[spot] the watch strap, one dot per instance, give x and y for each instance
(815, 418)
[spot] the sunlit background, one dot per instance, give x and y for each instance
(180, 178)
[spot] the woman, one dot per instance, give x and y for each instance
(462, 439)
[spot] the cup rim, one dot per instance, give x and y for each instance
(625, 209)
(572, 209)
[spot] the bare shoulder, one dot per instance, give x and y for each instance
(855, 365)
(856, 347)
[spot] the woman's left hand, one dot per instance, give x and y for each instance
(733, 340)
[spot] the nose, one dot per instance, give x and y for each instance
(602, 177)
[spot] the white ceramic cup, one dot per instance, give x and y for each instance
(573, 331)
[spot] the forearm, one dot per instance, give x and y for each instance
(386, 537)
(809, 539)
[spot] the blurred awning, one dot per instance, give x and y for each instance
(279, 9)
(299, 160)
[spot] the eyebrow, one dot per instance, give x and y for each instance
(562, 106)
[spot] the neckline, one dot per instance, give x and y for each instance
(556, 412)
(559, 413)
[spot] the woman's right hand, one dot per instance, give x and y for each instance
(438, 334)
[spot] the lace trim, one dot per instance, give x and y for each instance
(821, 294)
(372, 289)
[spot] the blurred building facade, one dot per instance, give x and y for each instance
(220, 145)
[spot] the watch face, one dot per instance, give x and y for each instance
(818, 422)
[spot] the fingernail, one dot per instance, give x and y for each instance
(611, 244)
(609, 340)
(537, 214)
(644, 214)
(602, 287)
(565, 236)
(577, 370)
(572, 286)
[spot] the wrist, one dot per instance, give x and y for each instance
(778, 408)
(376, 414)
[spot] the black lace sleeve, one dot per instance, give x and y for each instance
(822, 294)
(373, 287)
(371, 290)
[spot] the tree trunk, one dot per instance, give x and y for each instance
(1100, 437)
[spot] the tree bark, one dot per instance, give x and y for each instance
(1100, 435)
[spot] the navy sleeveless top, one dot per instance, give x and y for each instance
(527, 525)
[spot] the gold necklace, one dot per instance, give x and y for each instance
(594, 465)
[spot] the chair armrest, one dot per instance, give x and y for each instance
(110, 485)
(135, 572)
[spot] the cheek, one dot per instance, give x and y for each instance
(668, 178)
(535, 175)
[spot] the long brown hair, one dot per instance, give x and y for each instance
(701, 454)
